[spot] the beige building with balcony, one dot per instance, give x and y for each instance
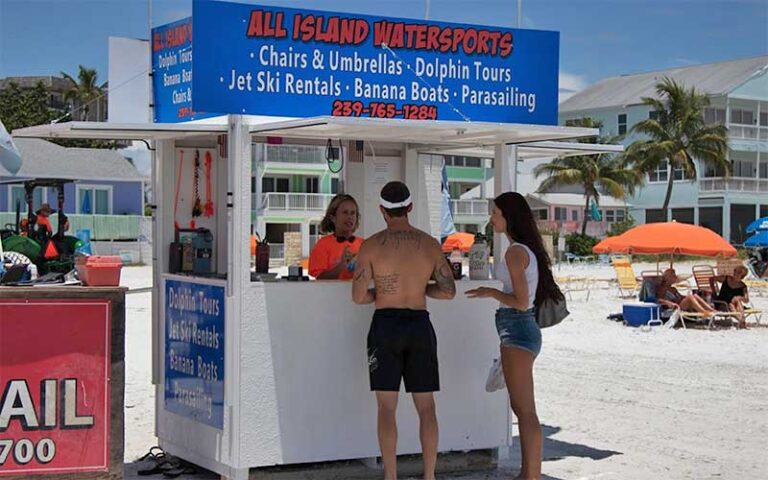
(738, 93)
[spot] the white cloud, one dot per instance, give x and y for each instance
(141, 157)
(570, 84)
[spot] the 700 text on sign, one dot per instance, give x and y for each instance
(54, 379)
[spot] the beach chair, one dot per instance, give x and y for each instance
(625, 276)
(682, 316)
(701, 275)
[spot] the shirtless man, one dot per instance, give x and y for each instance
(401, 260)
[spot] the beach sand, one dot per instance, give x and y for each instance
(614, 402)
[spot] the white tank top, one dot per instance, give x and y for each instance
(531, 275)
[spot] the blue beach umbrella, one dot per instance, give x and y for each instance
(759, 224)
(760, 239)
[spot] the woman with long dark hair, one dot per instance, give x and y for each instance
(525, 272)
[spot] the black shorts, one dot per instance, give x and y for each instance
(402, 343)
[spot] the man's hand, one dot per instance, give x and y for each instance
(482, 292)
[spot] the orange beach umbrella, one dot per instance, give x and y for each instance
(668, 238)
(459, 239)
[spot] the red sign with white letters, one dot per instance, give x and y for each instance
(54, 379)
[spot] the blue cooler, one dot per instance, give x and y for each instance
(639, 314)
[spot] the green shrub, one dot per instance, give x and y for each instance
(618, 228)
(579, 244)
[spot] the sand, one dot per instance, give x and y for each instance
(614, 402)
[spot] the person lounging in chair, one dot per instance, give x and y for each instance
(733, 293)
(668, 296)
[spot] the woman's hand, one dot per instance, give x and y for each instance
(482, 292)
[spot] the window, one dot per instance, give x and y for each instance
(311, 185)
(679, 174)
(612, 216)
(541, 214)
(574, 215)
(473, 162)
(334, 185)
(714, 115)
(275, 184)
(764, 119)
(94, 199)
(661, 174)
(742, 117)
(622, 123)
(561, 214)
(16, 192)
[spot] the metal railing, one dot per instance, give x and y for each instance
(470, 207)
(306, 154)
(736, 184)
(302, 202)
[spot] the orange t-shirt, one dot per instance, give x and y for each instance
(327, 254)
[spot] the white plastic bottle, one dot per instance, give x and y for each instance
(479, 268)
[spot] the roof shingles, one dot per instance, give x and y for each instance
(43, 159)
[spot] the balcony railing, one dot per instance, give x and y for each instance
(304, 154)
(276, 250)
(747, 132)
(733, 184)
(472, 207)
(301, 202)
(594, 229)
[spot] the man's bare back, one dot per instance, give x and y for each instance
(401, 262)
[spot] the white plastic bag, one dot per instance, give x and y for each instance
(495, 380)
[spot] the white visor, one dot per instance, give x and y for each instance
(392, 206)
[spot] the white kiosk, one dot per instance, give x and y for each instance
(278, 371)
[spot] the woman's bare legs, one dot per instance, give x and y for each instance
(737, 305)
(695, 303)
(518, 374)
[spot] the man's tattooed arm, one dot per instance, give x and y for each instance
(361, 280)
(444, 287)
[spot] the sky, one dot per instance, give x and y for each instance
(598, 38)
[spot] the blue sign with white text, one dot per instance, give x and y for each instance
(172, 73)
(194, 351)
(277, 61)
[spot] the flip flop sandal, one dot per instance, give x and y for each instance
(183, 469)
(161, 467)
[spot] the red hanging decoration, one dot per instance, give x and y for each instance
(178, 187)
(208, 195)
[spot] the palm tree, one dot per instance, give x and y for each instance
(677, 135)
(596, 174)
(84, 91)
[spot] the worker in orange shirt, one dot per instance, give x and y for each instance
(43, 219)
(333, 257)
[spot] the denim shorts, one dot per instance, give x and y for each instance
(518, 328)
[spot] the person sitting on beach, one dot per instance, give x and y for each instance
(733, 292)
(668, 296)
